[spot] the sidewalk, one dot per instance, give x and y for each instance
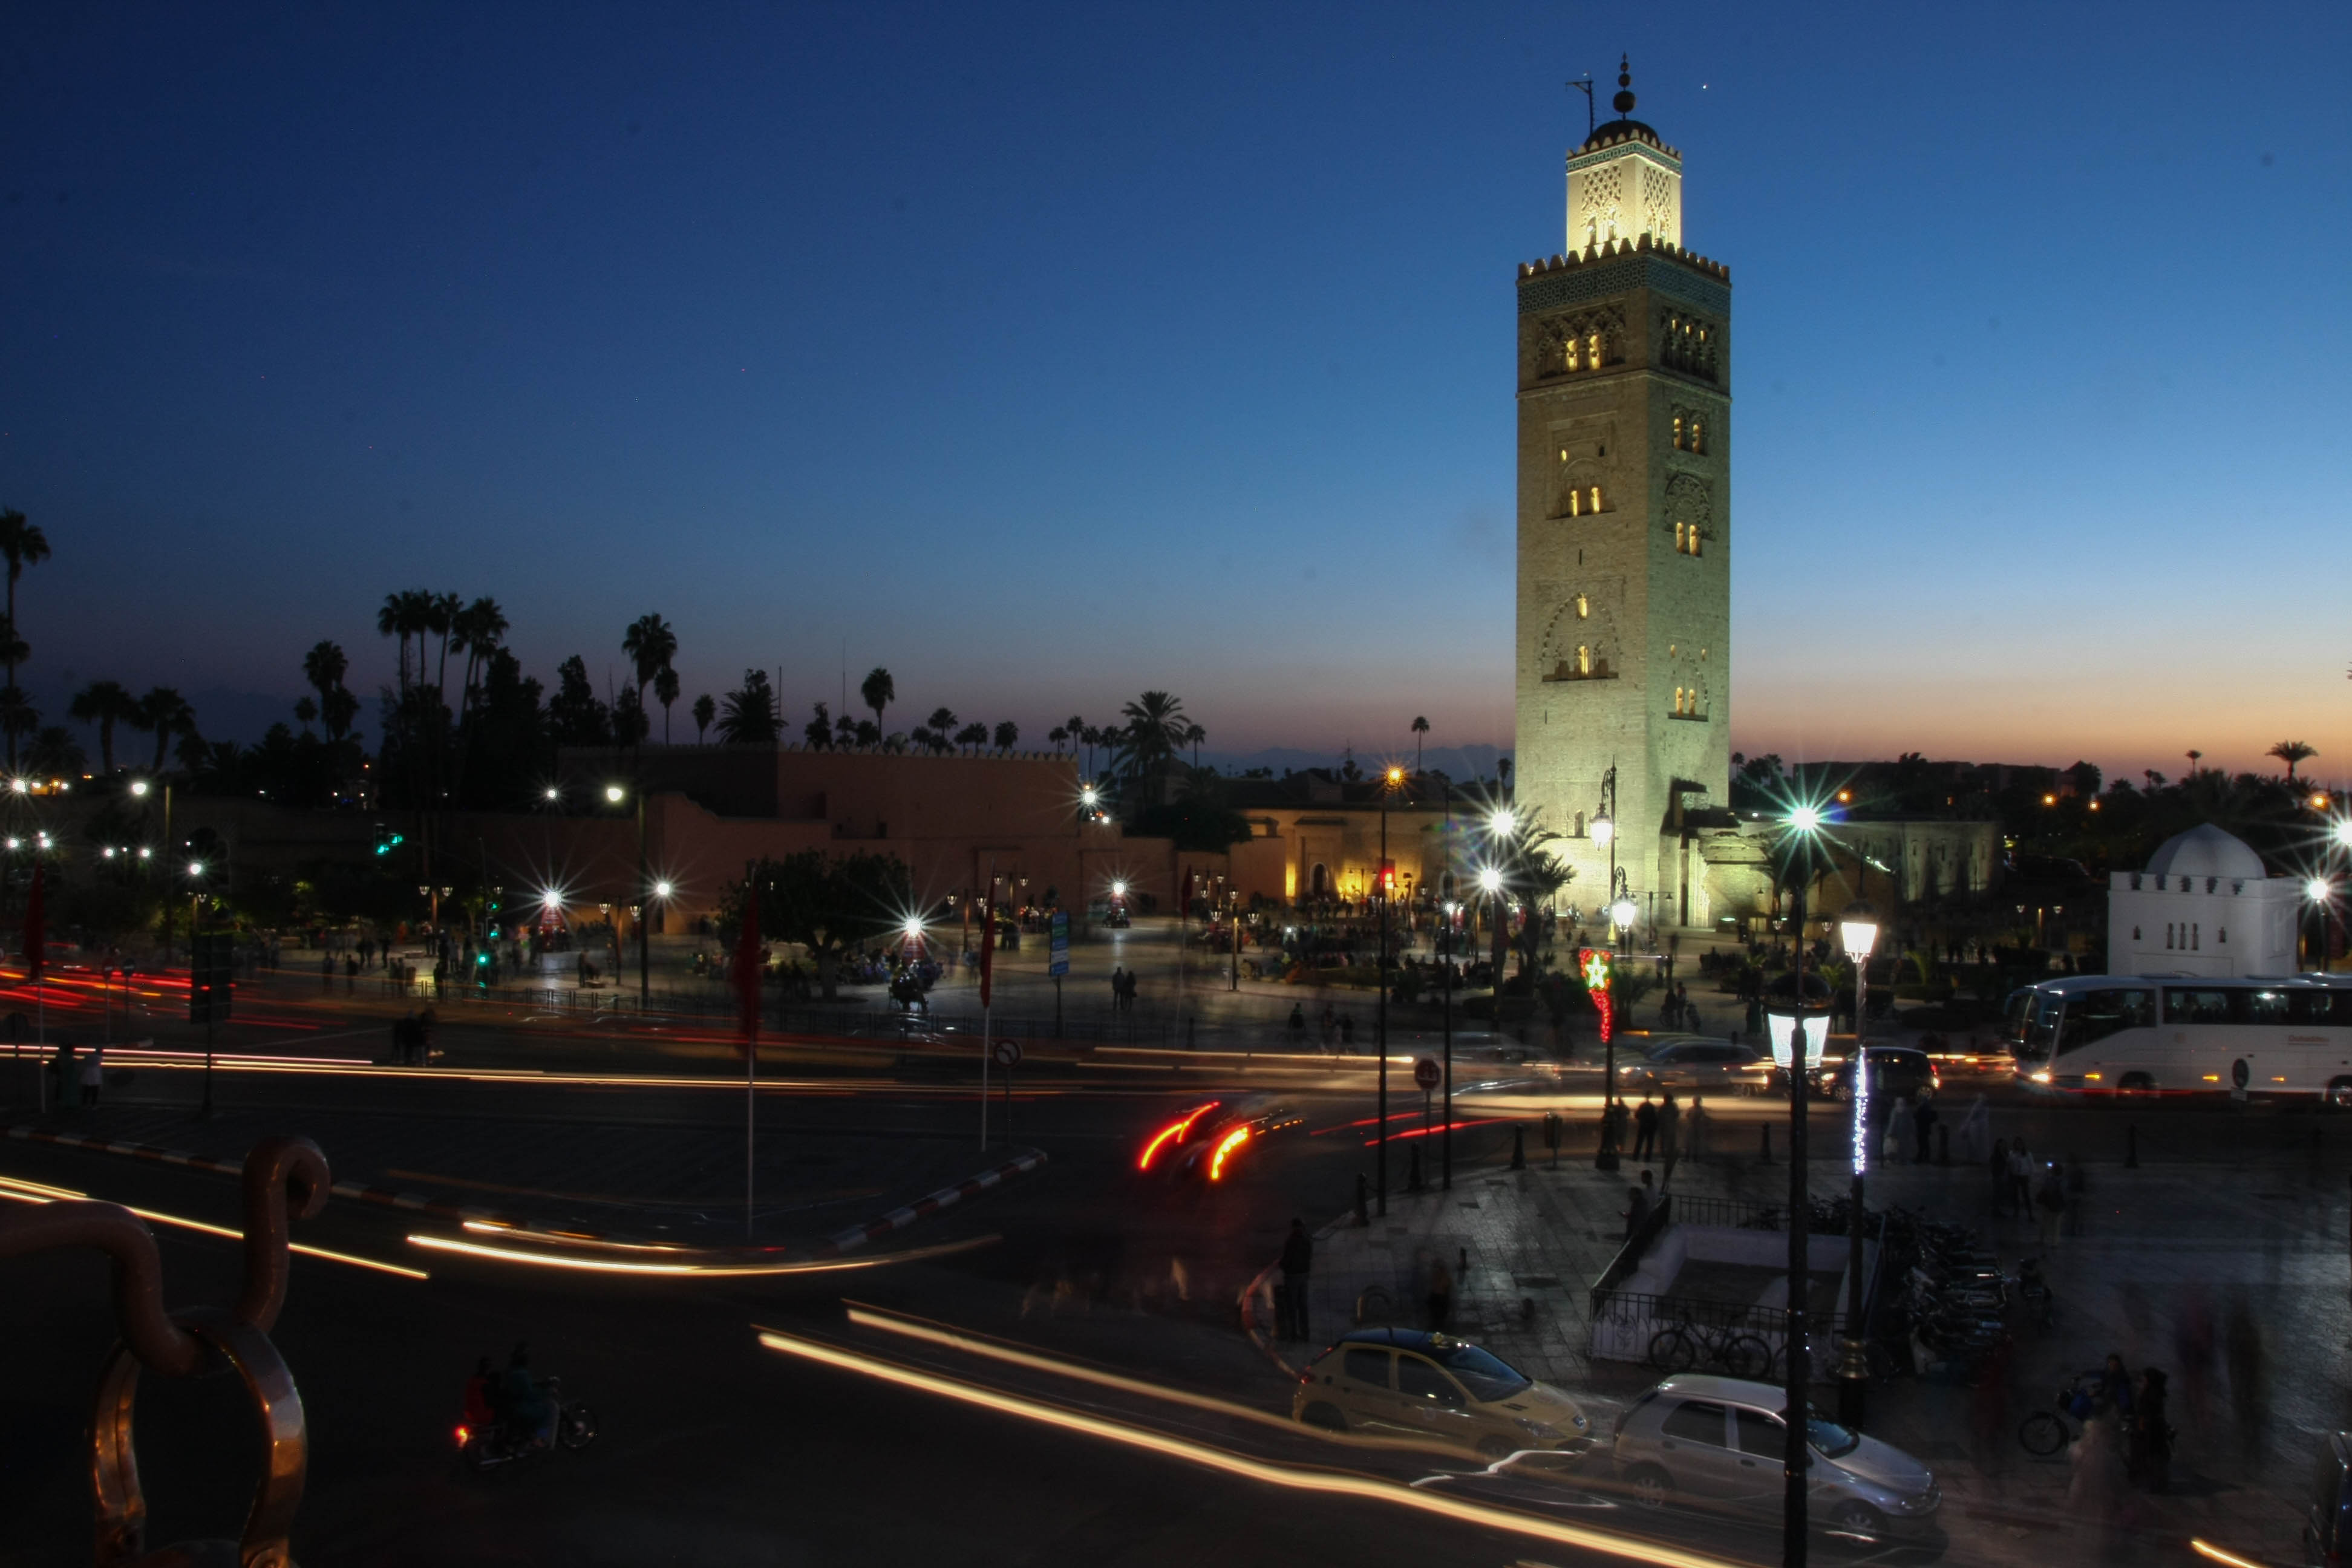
(2255, 1250)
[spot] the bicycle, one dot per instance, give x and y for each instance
(2046, 1432)
(1678, 1347)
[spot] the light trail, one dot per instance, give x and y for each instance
(1176, 1130)
(701, 1271)
(1288, 1477)
(1442, 1127)
(26, 1191)
(1233, 1141)
(2229, 1559)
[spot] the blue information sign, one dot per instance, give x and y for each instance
(1061, 949)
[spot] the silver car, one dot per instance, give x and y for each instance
(1705, 1067)
(1719, 1442)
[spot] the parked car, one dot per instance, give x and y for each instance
(1894, 1070)
(1718, 1443)
(1404, 1382)
(2327, 1512)
(1707, 1066)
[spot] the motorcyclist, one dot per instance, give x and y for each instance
(479, 1414)
(530, 1411)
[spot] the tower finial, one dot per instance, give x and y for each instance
(1624, 98)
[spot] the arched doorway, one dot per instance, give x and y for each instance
(1318, 882)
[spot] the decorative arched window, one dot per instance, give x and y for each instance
(1584, 659)
(1698, 434)
(1583, 607)
(1596, 497)
(1678, 433)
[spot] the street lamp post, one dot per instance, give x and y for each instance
(1858, 929)
(1804, 822)
(1388, 782)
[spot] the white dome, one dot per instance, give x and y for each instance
(2206, 851)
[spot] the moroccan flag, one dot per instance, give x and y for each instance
(987, 949)
(37, 929)
(747, 964)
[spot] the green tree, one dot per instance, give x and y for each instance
(705, 712)
(574, 716)
(829, 905)
(105, 704)
(879, 692)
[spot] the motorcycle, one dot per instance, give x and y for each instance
(482, 1448)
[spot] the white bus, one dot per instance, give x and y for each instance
(2147, 1034)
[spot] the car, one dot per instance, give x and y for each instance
(1894, 1070)
(1405, 1382)
(1707, 1066)
(1718, 1443)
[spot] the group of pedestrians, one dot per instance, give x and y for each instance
(1123, 985)
(78, 1077)
(2025, 1186)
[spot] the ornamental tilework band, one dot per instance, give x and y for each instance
(1597, 280)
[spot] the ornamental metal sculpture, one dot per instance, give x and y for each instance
(285, 1178)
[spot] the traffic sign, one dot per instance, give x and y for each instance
(1059, 955)
(1425, 1073)
(1006, 1053)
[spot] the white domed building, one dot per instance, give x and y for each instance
(2204, 906)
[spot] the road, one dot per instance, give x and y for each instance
(716, 1447)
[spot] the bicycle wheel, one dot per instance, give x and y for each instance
(1745, 1356)
(2042, 1434)
(1671, 1350)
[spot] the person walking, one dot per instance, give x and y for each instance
(1637, 1207)
(1699, 1122)
(1645, 1127)
(93, 1076)
(1298, 1026)
(1297, 1262)
(1922, 1130)
(1670, 1133)
(2021, 1180)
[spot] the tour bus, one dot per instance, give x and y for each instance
(2147, 1034)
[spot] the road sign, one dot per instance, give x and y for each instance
(1060, 953)
(1006, 1053)
(1425, 1073)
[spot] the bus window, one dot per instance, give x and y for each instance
(2251, 1006)
(2322, 1008)
(2031, 1024)
(2101, 1012)
(2187, 1005)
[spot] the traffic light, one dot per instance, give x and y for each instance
(386, 840)
(210, 987)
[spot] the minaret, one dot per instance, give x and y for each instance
(1624, 541)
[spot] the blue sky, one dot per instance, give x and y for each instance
(1047, 353)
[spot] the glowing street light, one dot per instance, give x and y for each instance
(2318, 889)
(616, 793)
(1604, 832)
(1806, 818)
(1118, 889)
(664, 890)
(553, 793)
(1858, 932)
(1506, 823)
(138, 787)
(1490, 879)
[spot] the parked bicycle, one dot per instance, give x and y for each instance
(2046, 1432)
(1679, 1347)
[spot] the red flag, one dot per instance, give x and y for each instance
(747, 964)
(36, 931)
(987, 950)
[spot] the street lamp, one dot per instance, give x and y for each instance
(1389, 780)
(1797, 850)
(616, 793)
(2320, 893)
(1858, 931)
(139, 788)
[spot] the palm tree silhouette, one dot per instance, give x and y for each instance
(1156, 726)
(879, 692)
(1420, 728)
(22, 544)
(2291, 752)
(164, 713)
(651, 645)
(665, 693)
(704, 711)
(106, 703)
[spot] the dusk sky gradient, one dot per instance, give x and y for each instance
(1044, 355)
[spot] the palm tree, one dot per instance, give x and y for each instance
(2291, 752)
(440, 612)
(651, 645)
(479, 629)
(1420, 728)
(1007, 733)
(1194, 736)
(1056, 735)
(879, 692)
(943, 721)
(306, 711)
(747, 717)
(164, 713)
(324, 668)
(105, 704)
(665, 693)
(22, 544)
(1156, 727)
(973, 736)
(704, 711)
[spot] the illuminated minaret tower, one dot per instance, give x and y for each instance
(1624, 537)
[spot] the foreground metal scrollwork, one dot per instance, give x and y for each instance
(285, 1179)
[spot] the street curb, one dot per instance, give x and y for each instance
(154, 1154)
(1256, 1287)
(923, 1207)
